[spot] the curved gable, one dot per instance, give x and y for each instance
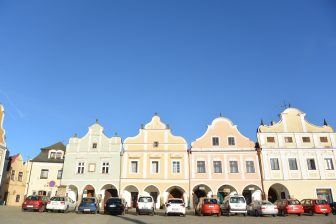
(2, 130)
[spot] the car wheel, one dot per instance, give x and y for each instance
(273, 215)
(42, 209)
(326, 214)
(244, 214)
(256, 213)
(218, 214)
(282, 213)
(24, 210)
(299, 214)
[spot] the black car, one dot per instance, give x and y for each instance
(116, 206)
(333, 208)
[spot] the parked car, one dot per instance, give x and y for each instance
(175, 206)
(289, 206)
(145, 205)
(89, 204)
(234, 204)
(260, 208)
(61, 204)
(35, 203)
(115, 205)
(208, 206)
(333, 208)
(316, 206)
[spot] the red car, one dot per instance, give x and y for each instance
(316, 206)
(35, 203)
(208, 206)
(289, 206)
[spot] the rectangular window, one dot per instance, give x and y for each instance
(270, 139)
(94, 145)
(59, 155)
(17, 198)
(274, 164)
(134, 166)
(323, 139)
(80, 168)
(231, 141)
(250, 167)
(13, 175)
(155, 166)
(156, 144)
(233, 167)
(105, 167)
(329, 163)
(52, 155)
(44, 174)
(176, 167)
(215, 141)
(20, 176)
(288, 139)
(305, 139)
(311, 164)
(59, 174)
(217, 166)
(292, 164)
(200, 166)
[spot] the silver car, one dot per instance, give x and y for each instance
(259, 208)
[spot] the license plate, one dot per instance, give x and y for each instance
(86, 210)
(175, 209)
(29, 206)
(112, 206)
(211, 206)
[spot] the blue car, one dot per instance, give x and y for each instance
(89, 205)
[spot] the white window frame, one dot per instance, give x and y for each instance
(212, 137)
(332, 167)
(158, 164)
(205, 164)
(103, 165)
(138, 166)
(179, 162)
(80, 164)
(254, 168)
(228, 141)
(221, 166)
(230, 166)
(278, 163)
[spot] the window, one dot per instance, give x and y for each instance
(176, 167)
(231, 141)
(329, 163)
(233, 167)
(20, 176)
(323, 139)
(155, 167)
(156, 144)
(94, 145)
(292, 164)
(52, 155)
(80, 168)
(311, 164)
(134, 166)
(217, 166)
(274, 164)
(17, 198)
(59, 155)
(59, 174)
(200, 166)
(13, 175)
(305, 139)
(215, 141)
(270, 139)
(288, 139)
(250, 167)
(44, 174)
(105, 167)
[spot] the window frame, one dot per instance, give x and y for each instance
(80, 168)
(289, 164)
(178, 163)
(198, 167)
(137, 166)
(105, 167)
(253, 166)
(158, 166)
(274, 166)
(212, 140)
(309, 165)
(220, 166)
(237, 166)
(330, 165)
(42, 172)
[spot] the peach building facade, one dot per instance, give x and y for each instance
(222, 162)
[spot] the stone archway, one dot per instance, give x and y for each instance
(89, 191)
(130, 194)
(224, 191)
(200, 191)
(175, 192)
(153, 191)
(72, 192)
(277, 191)
(107, 191)
(251, 193)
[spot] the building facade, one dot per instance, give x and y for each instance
(298, 158)
(4, 154)
(223, 161)
(92, 165)
(15, 184)
(155, 162)
(45, 171)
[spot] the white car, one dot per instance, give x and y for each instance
(175, 206)
(63, 204)
(234, 204)
(145, 205)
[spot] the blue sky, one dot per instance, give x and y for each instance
(65, 63)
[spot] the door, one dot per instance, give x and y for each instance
(134, 198)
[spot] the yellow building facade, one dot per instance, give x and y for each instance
(298, 158)
(155, 162)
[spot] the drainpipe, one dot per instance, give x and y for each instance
(258, 149)
(189, 153)
(120, 167)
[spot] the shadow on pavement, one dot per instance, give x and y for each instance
(131, 220)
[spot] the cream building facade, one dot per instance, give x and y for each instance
(44, 172)
(4, 154)
(298, 158)
(155, 162)
(223, 161)
(92, 165)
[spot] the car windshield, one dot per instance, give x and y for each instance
(321, 202)
(57, 199)
(175, 201)
(294, 202)
(33, 198)
(145, 199)
(237, 200)
(114, 201)
(210, 201)
(88, 200)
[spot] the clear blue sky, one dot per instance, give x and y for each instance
(65, 63)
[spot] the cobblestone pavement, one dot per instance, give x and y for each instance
(11, 215)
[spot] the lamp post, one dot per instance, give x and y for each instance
(258, 149)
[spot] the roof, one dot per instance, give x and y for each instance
(43, 155)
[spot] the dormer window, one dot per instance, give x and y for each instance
(156, 144)
(215, 141)
(56, 155)
(59, 155)
(305, 139)
(94, 145)
(52, 155)
(270, 139)
(288, 139)
(231, 141)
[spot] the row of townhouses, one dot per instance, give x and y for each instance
(291, 159)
